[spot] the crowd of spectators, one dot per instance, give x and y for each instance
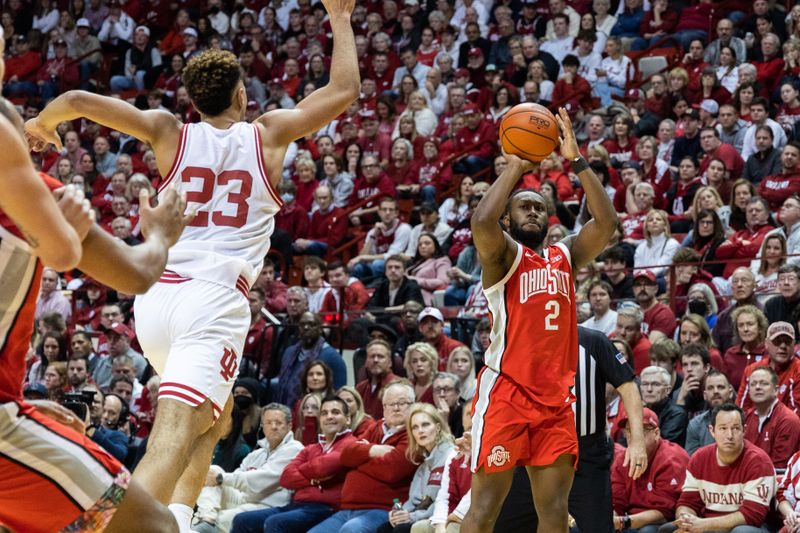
(373, 256)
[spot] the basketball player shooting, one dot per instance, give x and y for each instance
(522, 411)
(193, 324)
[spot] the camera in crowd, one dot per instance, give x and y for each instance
(79, 402)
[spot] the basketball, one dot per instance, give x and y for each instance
(529, 131)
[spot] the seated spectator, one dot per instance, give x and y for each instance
(789, 216)
(743, 245)
(339, 182)
(621, 144)
(461, 363)
(771, 65)
(315, 378)
(629, 329)
(781, 308)
(681, 195)
(379, 374)
(770, 425)
(659, 320)
(454, 209)
(787, 496)
(655, 386)
(693, 329)
(759, 116)
(311, 346)
(616, 274)
(772, 256)
(780, 346)
(256, 483)
(316, 288)
(658, 246)
(603, 317)
(388, 237)
(612, 75)
(380, 469)
(258, 343)
(766, 160)
(429, 267)
(347, 293)
(716, 391)
(743, 284)
(476, 136)
(431, 325)
(447, 399)
(327, 228)
(372, 182)
(396, 288)
(430, 222)
(714, 148)
(728, 484)
(666, 353)
(274, 289)
(429, 443)
(644, 503)
(701, 301)
(409, 332)
(420, 362)
(572, 87)
(695, 364)
(750, 329)
(360, 421)
(247, 398)
(708, 233)
(777, 188)
(291, 222)
(316, 475)
(307, 410)
(231, 450)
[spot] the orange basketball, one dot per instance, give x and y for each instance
(529, 131)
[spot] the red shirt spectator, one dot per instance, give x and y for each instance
(743, 246)
(478, 135)
(778, 433)
(788, 382)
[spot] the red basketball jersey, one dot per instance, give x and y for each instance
(534, 337)
(20, 276)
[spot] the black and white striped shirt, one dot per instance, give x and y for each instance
(599, 362)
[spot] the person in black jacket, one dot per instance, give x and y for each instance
(396, 289)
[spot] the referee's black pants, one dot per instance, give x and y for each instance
(589, 499)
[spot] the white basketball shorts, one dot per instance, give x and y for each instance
(193, 333)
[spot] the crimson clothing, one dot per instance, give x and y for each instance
(619, 152)
(305, 193)
(778, 434)
(769, 72)
(436, 173)
(258, 344)
(458, 481)
(382, 186)
(788, 384)
(292, 219)
(372, 395)
(444, 345)
(401, 175)
(658, 489)
(737, 358)
(641, 354)
(560, 178)
(695, 70)
(381, 144)
(23, 67)
(659, 318)
(330, 227)
(776, 189)
(735, 247)
(579, 90)
(481, 141)
(316, 462)
(730, 156)
(669, 19)
(374, 482)
(747, 485)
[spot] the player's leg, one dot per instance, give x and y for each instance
(139, 511)
(550, 486)
(171, 445)
(488, 492)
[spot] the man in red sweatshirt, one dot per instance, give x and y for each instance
(480, 137)
(21, 69)
(777, 188)
(770, 425)
(316, 475)
(327, 227)
(380, 473)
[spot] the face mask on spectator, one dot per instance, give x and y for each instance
(698, 307)
(243, 402)
(287, 197)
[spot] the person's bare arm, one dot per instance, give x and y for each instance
(636, 453)
(32, 206)
(134, 269)
(496, 249)
(159, 129)
(282, 126)
(596, 233)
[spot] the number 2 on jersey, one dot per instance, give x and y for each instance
(205, 194)
(549, 320)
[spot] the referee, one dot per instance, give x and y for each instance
(590, 498)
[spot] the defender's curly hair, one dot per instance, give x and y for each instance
(210, 79)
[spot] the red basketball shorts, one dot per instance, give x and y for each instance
(52, 478)
(510, 428)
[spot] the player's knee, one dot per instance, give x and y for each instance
(179, 418)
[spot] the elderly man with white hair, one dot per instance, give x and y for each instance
(655, 387)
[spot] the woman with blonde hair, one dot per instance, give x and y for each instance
(307, 418)
(360, 422)
(421, 362)
(750, 329)
(136, 183)
(708, 197)
(658, 246)
(765, 267)
(306, 182)
(55, 379)
(693, 329)
(538, 72)
(461, 363)
(429, 445)
(701, 294)
(424, 119)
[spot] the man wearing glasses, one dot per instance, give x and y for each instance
(380, 473)
(655, 385)
(780, 308)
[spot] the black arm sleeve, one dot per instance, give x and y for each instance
(612, 366)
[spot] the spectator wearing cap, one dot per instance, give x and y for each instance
(642, 504)
(371, 139)
(327, 228)
(431, 325)
(572, 88)
(559, 44)
(714, 148)
(82, 47)
(430, 222)
(142, 63)
(709, 109)
(190, 46)
(759, 116)
(658, 317)
(729, 484)
(172, 42)
(656, 384)
(769, 424)
(57, 75)
(21, 69)
(478, 137)
(117, 28)
(780, 346)
(777, 188)
(119, 343)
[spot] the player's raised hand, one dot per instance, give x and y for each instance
(569, 146)
(167, 219)
(339, 7)
(517, 165)
(38, 137)
(75, 208)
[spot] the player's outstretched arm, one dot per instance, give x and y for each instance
(134, 269)
(283, 126)
(151, 126)
(496, 249)
(595, 234)
(31, 206)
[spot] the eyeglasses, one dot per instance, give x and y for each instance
(369, 166)
(651, 385)
(705, 222)
(396, 405)
(443, 390)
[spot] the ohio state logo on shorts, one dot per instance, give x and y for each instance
(498, 457)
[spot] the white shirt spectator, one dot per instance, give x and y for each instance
(558, 48)
(729, 80)
(749, 143)
(112, 32)
(588, 65)
(438, 100)
(658, 251)
(616, 70)
(606, 323)
(574, 24)
(46, 22)
(419, 73)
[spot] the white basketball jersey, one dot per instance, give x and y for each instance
(223, 175)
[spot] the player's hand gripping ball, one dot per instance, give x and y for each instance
(529, 131)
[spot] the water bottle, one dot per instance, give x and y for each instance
(396, 505)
